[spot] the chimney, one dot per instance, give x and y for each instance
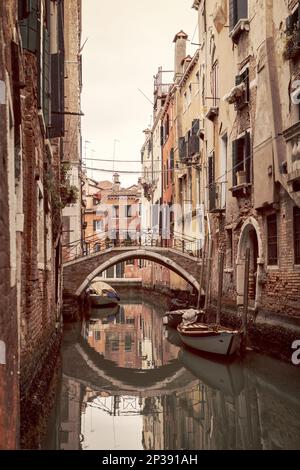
(180, 53)
(116, 182)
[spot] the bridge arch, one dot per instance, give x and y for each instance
(139, 254)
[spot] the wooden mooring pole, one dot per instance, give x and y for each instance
(246, 299)
(220, 287)
(208, 275)
(202, 273)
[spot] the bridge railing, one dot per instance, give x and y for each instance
(98, 243)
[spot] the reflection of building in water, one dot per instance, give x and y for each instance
(133, 338)
(260, 416)
(204, 418)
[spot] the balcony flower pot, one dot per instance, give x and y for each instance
(292, 46)
(241, 177)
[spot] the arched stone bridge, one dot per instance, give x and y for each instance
(81, 271)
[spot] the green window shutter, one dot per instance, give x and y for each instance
(232, 14)
(182, 148)
(46, 77)
(234, 162)
(242, 7)
(248, 156)
(29, 25)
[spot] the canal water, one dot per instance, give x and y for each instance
(128, 383)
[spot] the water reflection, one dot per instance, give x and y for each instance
(125, 386)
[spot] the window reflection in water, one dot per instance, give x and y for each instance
(129, 387)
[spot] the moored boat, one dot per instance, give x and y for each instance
(174, 318)
(210, 339)
(102, 294)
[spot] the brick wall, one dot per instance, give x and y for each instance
(8, 295)
(38, 294)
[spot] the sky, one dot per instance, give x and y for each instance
(127, 40)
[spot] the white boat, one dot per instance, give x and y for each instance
(175, 317)
(210, 339)
(101, 294)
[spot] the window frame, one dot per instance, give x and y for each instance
(271, 264)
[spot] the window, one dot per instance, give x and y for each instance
(40, 227)
(189, 96)
(128, 342)
(115, 212)
(241, 160)
(98, 225)
(198, 83)
(238, 10)
(97, 335)
(129, 211)
(272, 240)
(229, 249)
(215, 84)
(297, 234)
(211, 182)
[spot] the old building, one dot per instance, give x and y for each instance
(11, 221)
(250, 111)
(72, 156)
(35, 187)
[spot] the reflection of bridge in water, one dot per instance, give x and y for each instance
(187, 404)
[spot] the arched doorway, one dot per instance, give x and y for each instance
(250, 237)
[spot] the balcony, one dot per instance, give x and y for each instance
(243, 25)
(292, 137)
(292, 45)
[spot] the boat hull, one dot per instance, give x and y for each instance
(225, 343)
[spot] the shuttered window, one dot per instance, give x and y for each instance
(272, 240)
(241, 158)
(29, 25)
(238, 9)
(297, 234)
(211, 182)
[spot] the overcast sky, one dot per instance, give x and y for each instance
(127, 41)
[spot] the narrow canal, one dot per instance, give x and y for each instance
(128, 383)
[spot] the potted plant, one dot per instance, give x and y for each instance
(241, 177)
(292, 45)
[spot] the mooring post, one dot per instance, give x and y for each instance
(246, 299)
(220, 287)
(202, 273)
(207, 293)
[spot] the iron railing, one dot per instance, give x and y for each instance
(98, 243)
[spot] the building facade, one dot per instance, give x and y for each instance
(34, 189)
(236, 153)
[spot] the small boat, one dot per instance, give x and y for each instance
(210, 339)
(174, 318)
(228, 377)
(101, 294)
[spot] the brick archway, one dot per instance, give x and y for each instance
(79, 273)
